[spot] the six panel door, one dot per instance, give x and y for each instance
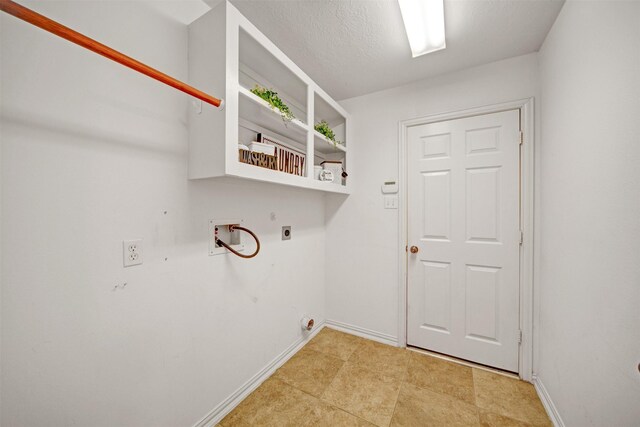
(463, 216)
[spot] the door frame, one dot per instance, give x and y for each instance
(527, 188)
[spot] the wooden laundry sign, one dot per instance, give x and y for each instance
(289, 160)
(258, 159)
(286, 159)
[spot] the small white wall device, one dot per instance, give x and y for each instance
(390, 186)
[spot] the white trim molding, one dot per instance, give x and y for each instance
(526, 106)
(363, 332)
(548, 404)
(227, 405)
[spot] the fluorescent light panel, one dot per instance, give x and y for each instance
(424, 22)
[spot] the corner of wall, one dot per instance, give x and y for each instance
(547, 402)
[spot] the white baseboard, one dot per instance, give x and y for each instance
(363, 332)
(548, 404)
(227, 405)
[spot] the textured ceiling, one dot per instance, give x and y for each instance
(353, 47)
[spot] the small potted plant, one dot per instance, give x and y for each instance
(274, 101)
(324, 129)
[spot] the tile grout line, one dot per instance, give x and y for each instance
(366, 368)
(333, 379)
(475, 396)
(324, 401)
(446, 394)
(411, 351)
(472, 367)
(402, 381)
(463, 362)
(330, 382)
(320, 398)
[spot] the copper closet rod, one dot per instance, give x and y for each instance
(34, 18)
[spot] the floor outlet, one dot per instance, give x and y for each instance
(132, 252)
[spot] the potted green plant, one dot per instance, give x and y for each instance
(324, 129)
(274, 101)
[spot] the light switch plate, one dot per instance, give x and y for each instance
(391, 202)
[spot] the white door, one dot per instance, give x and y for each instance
(463, 220)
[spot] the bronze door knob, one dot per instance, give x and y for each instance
(414, 249)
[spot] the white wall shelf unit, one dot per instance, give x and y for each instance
(228, 56)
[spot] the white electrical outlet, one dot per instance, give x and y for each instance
(132, 252)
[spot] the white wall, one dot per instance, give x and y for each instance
(93, 153)
(589, 270)
(362, 236)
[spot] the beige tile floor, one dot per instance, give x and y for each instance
(339, 379)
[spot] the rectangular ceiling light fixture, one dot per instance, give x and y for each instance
(424, 22)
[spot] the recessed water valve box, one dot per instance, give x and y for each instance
(221, 229)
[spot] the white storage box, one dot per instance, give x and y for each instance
(336, 168)
(261, 147)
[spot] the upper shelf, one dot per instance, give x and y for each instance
(325, 146)
(259, 65)
(258, 111)
(327, 112)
